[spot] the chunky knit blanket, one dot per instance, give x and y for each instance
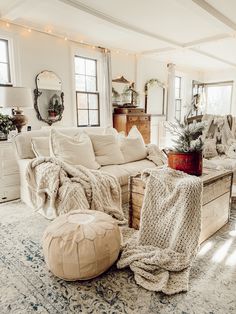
(57, 188)
(161, 252)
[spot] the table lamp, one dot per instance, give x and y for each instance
(16, 98)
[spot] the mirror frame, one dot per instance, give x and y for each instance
(38, 93)
(160, 85)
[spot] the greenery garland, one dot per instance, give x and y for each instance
(152, 82)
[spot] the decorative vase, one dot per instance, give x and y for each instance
(3, 136)
(190, 163)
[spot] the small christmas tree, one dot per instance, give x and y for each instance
(187, 136)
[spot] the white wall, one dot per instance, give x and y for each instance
(220, 76)
(148, 68)
(34, 52)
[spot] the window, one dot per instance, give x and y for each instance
(218, 98)
(5, 78)
(178, 99)
(87, 96)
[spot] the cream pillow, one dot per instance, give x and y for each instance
(133, 146)
(107, 149)
(209, 150)
(40, 146)
(77, 150)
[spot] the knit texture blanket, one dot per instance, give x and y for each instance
(161, 252)
(57, 188)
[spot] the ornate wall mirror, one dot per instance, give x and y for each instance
(155, 97)
(48, 97)
(123, 93)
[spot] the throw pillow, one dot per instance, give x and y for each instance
(133, 146)
(77, 150)
(209, 150)
(107, 149)
(40, 146)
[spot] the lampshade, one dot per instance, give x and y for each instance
(16, 97)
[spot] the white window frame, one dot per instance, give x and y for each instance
(88, 93)
(180, 98)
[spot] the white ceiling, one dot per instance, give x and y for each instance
(195, 33)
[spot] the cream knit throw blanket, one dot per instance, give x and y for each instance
(161, 252)
(57, 188)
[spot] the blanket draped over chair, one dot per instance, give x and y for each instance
(161, 252)
(56, 188)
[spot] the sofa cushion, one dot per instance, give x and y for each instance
(40, 146)
(77, 150)
(107, 149)
(122, 172)
(209, 150)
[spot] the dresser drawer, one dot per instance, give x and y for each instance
(9, 194)
(144, 118)
(143, 127)
(10, 180)
(132, 118)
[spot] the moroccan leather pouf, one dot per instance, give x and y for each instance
(81, 244)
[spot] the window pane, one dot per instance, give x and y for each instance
(79, 65)
(177, 82)
(91, 67)
(93, 101)
(177, 93)
(80, 83)
(93, 117)
(4, 77)
(82, 101)
(91, 84)
(177, 105)
(178, 115)
(3, 51)
(219, 99)
(83, 117)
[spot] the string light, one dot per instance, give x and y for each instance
(49, 31)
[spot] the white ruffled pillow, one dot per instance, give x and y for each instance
(77, 150)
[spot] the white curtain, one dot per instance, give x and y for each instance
(107, 87)
(170, 115)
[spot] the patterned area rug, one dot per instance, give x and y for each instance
(26, 286)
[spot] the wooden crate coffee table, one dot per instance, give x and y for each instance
(217, 186)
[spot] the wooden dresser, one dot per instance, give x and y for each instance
(9, 173)
(125, 118)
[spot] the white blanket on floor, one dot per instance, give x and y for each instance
(161, 252)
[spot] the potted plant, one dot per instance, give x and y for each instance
(6, 125)
(54, 108)
(186, 155)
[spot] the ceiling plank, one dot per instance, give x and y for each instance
(213, 57)
(155, 51)
(215, 13)
(14, 10)
(80, 6)
(207, 40)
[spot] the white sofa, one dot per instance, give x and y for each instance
(25, 154)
